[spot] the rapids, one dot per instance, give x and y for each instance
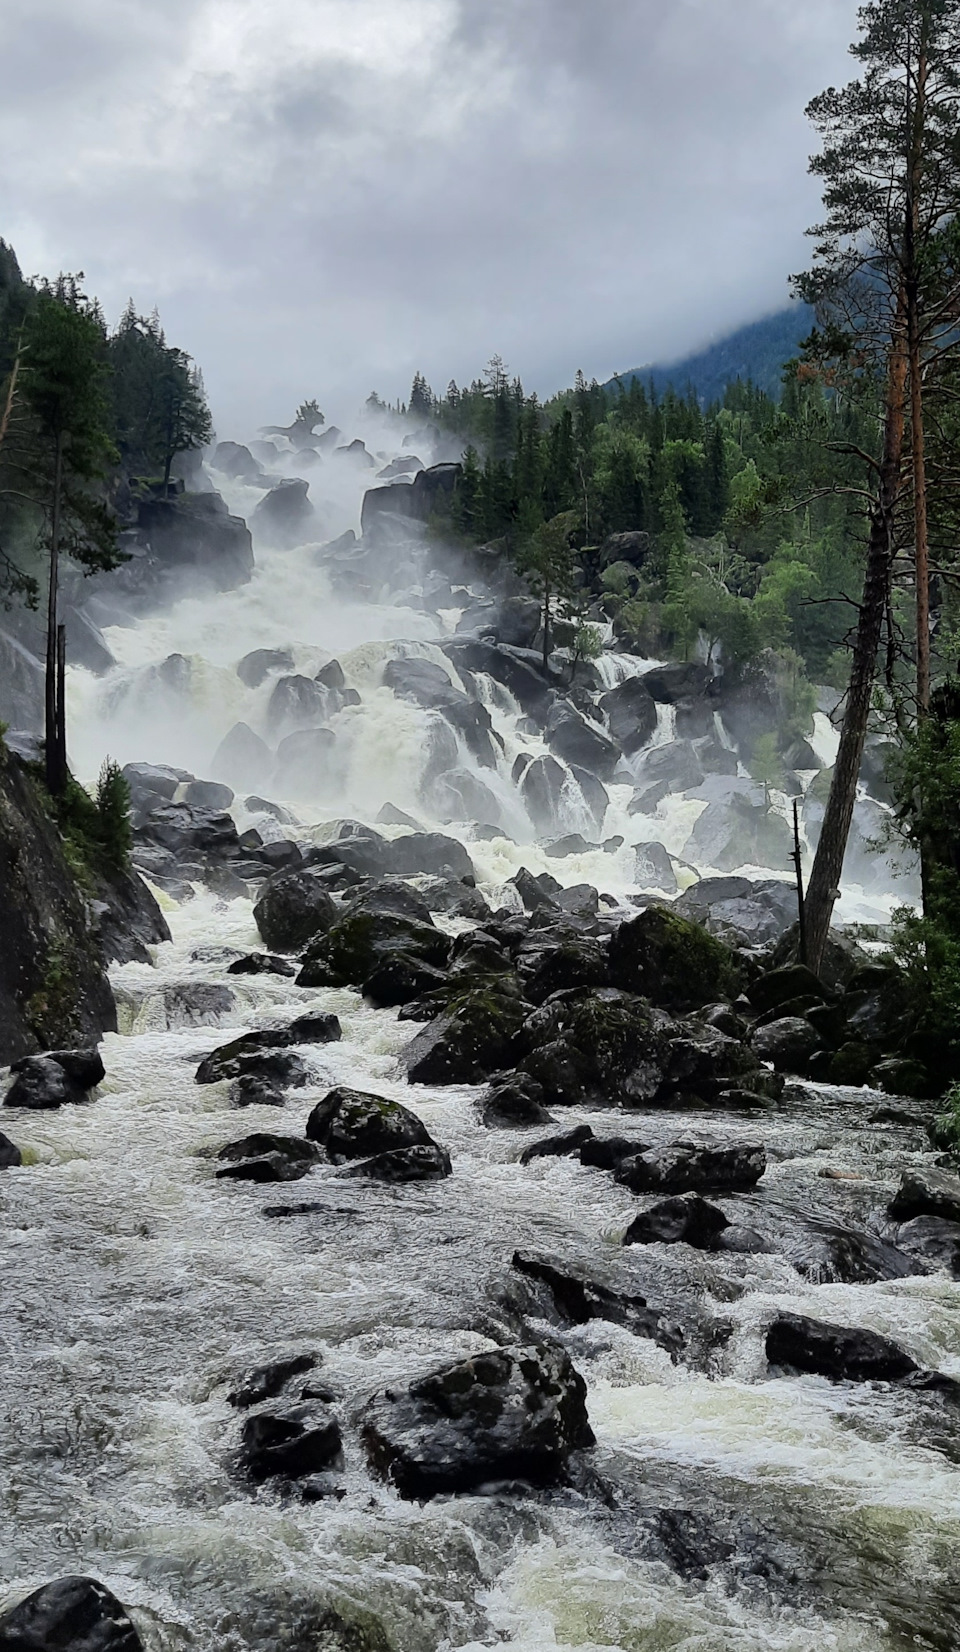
(730, 1510)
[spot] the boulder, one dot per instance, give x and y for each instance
(285, 515)
(559, 959)
(365, 936)
(207, 794)
(72, 1614)
(740, 830)
(264, 1168)
(513, 1413)
(267, 1053)
(924, 1192)
(558, 1147)
(788, 1043)
(780, 986)
(305, 764)
(297, 703)
(257, 666)
(10, 1154)
(519, 671)
(44, 1082)
(235, 460)
(692, 1167)
(242, 759)
(606, 1152)
(293, 908)
(189, 833)
(181, 543)
(596, 1046)
(429, 854)
(514, 1100)
(474, 1037)
(750, 913)
(579, 742)
(578, 1300)
(667, 684)
(935, 1240)
(631, 714)
(686, 1219)
(423, 1163)
(900, 1076)
(541, 788)
(671, 961)
(840, 1352)
(265, 1382)
(662, 771)
(290, 1441)
(21, 686)
(429, 686)
(263, 1143)
(429, 492)
(261, 963)
(653, 868)
(462, 795)
(351, 1124)
(704, 1061)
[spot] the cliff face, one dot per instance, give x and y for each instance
(54, 991)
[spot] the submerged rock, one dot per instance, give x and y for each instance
(264, 1382)
(578, 1300)
(514, 1100)
(513, 1413)
(687, 1220)
(425, 1163)
(72, 1614)
(557, 1147)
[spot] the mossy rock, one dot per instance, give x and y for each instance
(602, 1046)
(476, 1036)
(672, 962)
(352, 1124)
(351, 950)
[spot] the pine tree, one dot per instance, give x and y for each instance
(548, 561)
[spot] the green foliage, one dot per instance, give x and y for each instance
(766, 765)
(96, 832)
(113, 807)
(159, 406)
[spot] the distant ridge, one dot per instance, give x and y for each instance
(755, 352)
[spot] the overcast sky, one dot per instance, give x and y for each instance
(323, 195)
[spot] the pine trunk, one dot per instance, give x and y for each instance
(824, 883)
(56, 780)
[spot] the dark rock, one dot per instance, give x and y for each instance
(263, 1142)
(293, 908)
(266, 1052)
(934, 1239)
(53, 985)
(264, 1382)
(399, 979)
(207, 794)
(780, 986)
(197, 1003)
(580, 1300)
(10, 1154)
(751, 912)
(515, 1100)
(473, 1038)
(285, 515)
(259, 1089)
(788, 1043)
(840, 1352)
(429, 492)
(44, 1082)
(668, 684)
(559, 959)
(594, 794)
(189, 833)
(557, 1147)
(86, 644)
(291, 1441)
(518, 671)
(690, 1167)
(602, 1046)
(830, 1254)
(670, 961)
(423, 1163)
(514, 1413)
(242, 758)
(366, 935)
(297, 703)
(72, 1614)
(574, 844)
(653, 868)
(261, 963)
(606, 1152)
(263, 1168)
(577, 741)
(461, 795)
(925, 1192)
(689, 1220)
(352, 1124)
(126, 918)
(182, 542)
(429, 686)
(541, 788)
(262, 805)
(538, 893)
(899, 1076)
(429, 854)
(739, 830)
(631, 713)
(21, 689)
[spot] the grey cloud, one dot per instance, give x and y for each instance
(318, 209)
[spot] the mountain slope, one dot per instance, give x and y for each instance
(755, 352)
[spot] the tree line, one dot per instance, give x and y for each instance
(89, 420)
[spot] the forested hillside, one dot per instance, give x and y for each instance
(754, 353)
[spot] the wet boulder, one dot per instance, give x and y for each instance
(262, 663)
(474, 1036)
(781, 986)
(285, 515)
(828, 1254)
(739, 829)
(269, 1052)
(261, 963)
(10, 1154)
(934, 1240)
(207, 794)
(430, 854)
(631, 714)
(686, 1219)
(306, 763)
(580, 742)
(297, 703)
(541, 785)
(290, 1441)
(577, 1300)
(900, 1076)
(603, 1047)
(366, 935)
(749, 912)
(429, 686)
(242, 758)
(351, 1124)
(44, 1082)
(607, 1152)
(558, 1147)
(653, 868)
(671, 961)
(72, 1614)
(192, 833)
(664, 770)
(400, 979)
(924, 1192)
(235, 460)
(518, 671)
(514, 1101)
(788, 1043)
(704, 1061)
(558, 959)
(265, 1157)
(265, 1382)
(669, 684)
(293, 908)
(510, 1414)
(423, 1163)
(844, 1353)
(692, 1167)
